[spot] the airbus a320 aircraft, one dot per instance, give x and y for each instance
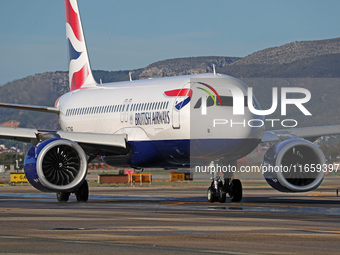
(173, 122)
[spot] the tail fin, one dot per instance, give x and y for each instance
(80, 74)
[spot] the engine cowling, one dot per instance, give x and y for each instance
(294, 165)
(56, 165)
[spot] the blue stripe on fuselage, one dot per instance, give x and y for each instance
(185, 152)
(180, 105)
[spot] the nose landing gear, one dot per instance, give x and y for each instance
(219, 189)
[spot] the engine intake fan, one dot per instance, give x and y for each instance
(294, 165)
(56, 165)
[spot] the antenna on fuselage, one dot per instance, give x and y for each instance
(130, 75)
(214, 69)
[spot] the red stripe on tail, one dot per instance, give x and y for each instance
(73, 19)
(78, 78)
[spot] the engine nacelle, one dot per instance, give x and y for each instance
(56, 165)
(294, 165)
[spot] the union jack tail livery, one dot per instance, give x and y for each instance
(80, 74)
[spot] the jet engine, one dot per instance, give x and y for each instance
(56, 165)
(294, 165)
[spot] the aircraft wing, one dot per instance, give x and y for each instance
(106, 142)
(31, 108)
(308, 133)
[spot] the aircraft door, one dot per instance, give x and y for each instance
(182, 98)
(176, 115)
(126, 118)
(123, 110)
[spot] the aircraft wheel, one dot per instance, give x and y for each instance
(82, 193)
(211, 194)
(235, 190)
(63, 196)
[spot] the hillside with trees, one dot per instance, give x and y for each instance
(314, 65)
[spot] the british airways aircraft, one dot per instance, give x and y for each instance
(174, 122)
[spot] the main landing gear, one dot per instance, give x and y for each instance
(82, 194)
(219, 189)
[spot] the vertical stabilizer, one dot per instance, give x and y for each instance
(80, 74)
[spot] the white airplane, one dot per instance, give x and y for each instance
(174, 122)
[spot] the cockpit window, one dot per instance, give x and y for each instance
(226, 101)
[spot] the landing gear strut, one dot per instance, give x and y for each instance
(82, 194)
(219, 189)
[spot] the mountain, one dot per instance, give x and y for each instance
(292, 52)
(300, 64)
(185, 66)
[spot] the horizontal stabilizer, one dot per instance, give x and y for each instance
(31, 108)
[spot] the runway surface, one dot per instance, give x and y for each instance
(170, 220)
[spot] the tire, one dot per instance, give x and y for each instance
(236, 190)
(222, 195)
(211, 195)
(63, 196)
(82, 193)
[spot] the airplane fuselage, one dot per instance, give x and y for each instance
(163, 119)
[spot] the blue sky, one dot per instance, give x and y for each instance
(128, 34)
